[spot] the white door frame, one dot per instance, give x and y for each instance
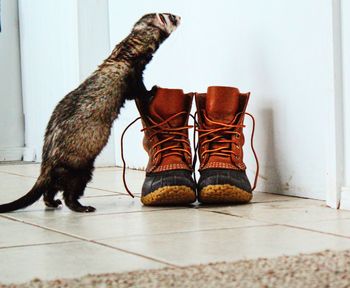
(338, 195)
(11, 112)
(345, 45)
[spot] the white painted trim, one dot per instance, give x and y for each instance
(345, 17)
(335, 165)
(11, 154)
(29, 154)
(17, 154)
(345, 198)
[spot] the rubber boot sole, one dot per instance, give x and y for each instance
(224, 194)
(170, 195)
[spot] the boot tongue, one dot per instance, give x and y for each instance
(222, 103)
(168, 102)
(164, 104)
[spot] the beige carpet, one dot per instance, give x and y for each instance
(323, 269)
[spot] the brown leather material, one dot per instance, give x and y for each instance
(168, 102)
(220, 125)
(165, 122)
(219, 106)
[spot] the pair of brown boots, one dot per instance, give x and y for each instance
(220, 114)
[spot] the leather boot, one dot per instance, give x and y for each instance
(220, 114)
(169, 170)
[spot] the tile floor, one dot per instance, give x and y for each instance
(122, 235)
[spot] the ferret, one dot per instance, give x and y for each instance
(80, 125)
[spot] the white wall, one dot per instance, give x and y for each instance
(62, 43)
(11, 115)
(281, 51)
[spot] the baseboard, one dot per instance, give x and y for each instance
(345, 198)
(29, 154)
(17, 154)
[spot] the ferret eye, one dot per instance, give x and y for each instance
(173, 19)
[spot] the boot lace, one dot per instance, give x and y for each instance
(175, 134)
(172, 135)
(217, 135)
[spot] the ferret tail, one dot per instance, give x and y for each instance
(32, 196)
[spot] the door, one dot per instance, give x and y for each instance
(62, 42)
(11, 113)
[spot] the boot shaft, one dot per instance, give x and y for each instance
(165, 123)
(220, 125)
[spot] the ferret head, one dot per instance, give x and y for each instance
(166, 22)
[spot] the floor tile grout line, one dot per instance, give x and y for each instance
(264, 221)
(205, 209)
(107, 190)
(314, 230)
(148, 235)
(132, 212)
(124, 193)
(136, 254)
(239, 216)
(252, 203)
(78, 215)
(16, 174)
(235, 215)
(88, 186)
(185, 232)
(37, 244)
(287, 225)
(113, 167)
(243, 217)
(98, 243)
(104, 195)
(263, 224)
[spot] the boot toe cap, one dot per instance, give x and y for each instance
(221, 186)
(169, 187)
(237, 178)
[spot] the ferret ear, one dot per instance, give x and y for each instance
(161, 19)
